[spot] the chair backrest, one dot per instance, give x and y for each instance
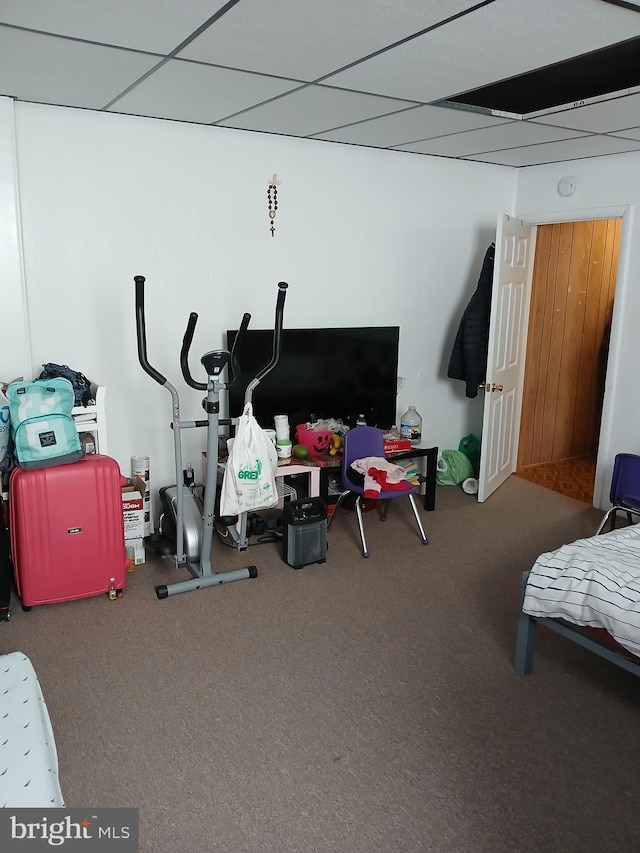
(625, 482)
(359, 443)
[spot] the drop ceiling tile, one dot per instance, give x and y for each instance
(500, 40)
(510, 135)
(188, 91)
(408, 125)
(305, 39)
(67, 73)
(556, 152)
(629, 133)
(311, 110)
(602, 117)
(153, 25)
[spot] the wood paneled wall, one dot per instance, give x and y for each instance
(571, 304)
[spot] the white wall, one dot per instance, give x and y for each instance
(605, 186)
(363, 237)
(15, 334)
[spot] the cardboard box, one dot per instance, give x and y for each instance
(136, 484)
(133, 515)
(395, 445)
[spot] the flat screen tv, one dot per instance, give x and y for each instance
(321, 373)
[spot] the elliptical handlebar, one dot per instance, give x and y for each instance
(233, 372)
(277, 338)
(142, 333)
(184, 354)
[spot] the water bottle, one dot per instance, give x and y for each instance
(361, 420)
(411, 426)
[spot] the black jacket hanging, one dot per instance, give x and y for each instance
(468, 360)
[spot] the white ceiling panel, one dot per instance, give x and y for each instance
(375, 71)
(69, 73)
(603, 117)
(630, 133)
(311, 110)
(409, 125)
(501, 40)
(305, 39)
(511, 135)
(154, 25)
(188, 91)
(556, 152)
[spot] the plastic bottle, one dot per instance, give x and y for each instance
(411, 426)
(361, 420)
(131, 558)
(112, 593)
(88, 443)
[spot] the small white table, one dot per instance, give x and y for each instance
(286, 471)
(314, 477)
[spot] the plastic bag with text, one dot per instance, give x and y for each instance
(249, 481)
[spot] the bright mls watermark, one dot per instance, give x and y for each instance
(86, 830)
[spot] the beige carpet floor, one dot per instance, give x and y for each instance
(360, 706)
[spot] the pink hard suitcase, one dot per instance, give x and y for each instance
(67, 531)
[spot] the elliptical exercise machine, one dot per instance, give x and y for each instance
(190, 526)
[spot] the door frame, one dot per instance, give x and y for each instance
(604, 459)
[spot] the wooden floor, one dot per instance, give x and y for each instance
(574, 478)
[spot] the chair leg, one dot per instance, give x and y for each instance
(336, 508)
(606, 518)
(613, 513)
(423, 535)
(365, 553)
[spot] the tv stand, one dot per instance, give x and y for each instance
(429, 455)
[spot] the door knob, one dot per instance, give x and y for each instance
(491, 387)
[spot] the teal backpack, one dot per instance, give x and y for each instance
(43, 430)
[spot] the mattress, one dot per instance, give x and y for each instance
(593, 582)
(28, 756)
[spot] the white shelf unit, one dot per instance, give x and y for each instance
(93, 419)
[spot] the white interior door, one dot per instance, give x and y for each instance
(510, 298)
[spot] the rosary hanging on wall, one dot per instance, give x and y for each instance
(272, 198)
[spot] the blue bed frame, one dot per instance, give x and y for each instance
(526, 638)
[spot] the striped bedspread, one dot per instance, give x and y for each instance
(593, 582)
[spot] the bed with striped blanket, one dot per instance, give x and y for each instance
(592, 583)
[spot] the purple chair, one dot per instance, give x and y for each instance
(360, 443)
(625, 489)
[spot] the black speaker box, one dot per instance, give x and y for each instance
(304, 532)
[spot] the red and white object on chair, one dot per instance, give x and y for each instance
(380, 475)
